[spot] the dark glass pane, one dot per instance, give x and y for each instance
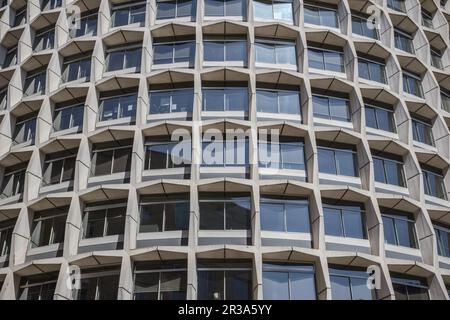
(272, 216)
(326, 161)
(177, 216)
(212, 216)
(210, 285)
(238, 285)
(151, 218)
(354, 224)
(237, 215)
(332, 220)
(276, 285)
(297, 218)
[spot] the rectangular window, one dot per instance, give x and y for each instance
(10, 58)
(118, 107)
(160, 280)
(171, 101)
(427, 18)
(163, 153)
(372, 70)
(104, 219)
(344, 220)
(412, 84)
(287, 153)
(227, 50)
(175, 9)
(13, 181)
(445, 100)
(379, 118)
(35, 83)
(442, 239)
(276, 52)
(350, 284)
(224, 212)
(225, 152)
(21, 16)
(98, 284)
(331, 108)
(174, 52)
(48, 227)
(224, 280)
(6, 231)
(50, 4)
(38, 287)
(410, 288)
(273, 10)
(284, 214)
(338, 161)
(59, 167)
(123, 59)
(77, 68)
(422, 131)
(224, 8)
(403, 41)
(436, 58)
(25, 129)
(3, 98)
(67, 117)
(225, 99)
(321, 16)
(288, 281)
(433, 181)
(325, 59)
(167, 213)
(399, 229)
(87, 25)
(360, 25)
(397, 5)
(388, 170)
(130, 13)
(44, 40)
(112, 158)
(278, 101)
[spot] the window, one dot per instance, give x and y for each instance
(412, 84)
(77, 68)
(288, 281)
(124, 59)
(229, 50)
(87, 25)
(170, 101)
(163, 153)
(442, 239)
(276, 52)
(3, 98)
(372, 70)
(98, 284)
(104, 219)
(325, 59)
(285, 214)
(403, 41)
(174, 52)
(160, 280)
(10, 58)
(110, 158)
(6, 231)
(350, 284)
(445, 100)
(427, 18)
(35, 83)
(331, 108)
(118, 107)
(59, 167)
(224, 280)
(167, 213)
(21, 16)
(337, 161)
(273, 10)
(433, 181)
(287, 153)
(221, 8)
(175, 9)
(410, 288)
(48, 227)
(67, 117)
(38, 287)
(436, 58)
(224, 212)
(128, 14)
(278, 101)
(399, 229)
(388, 169)
(225, 99)
(360, 25)
(398, 5)
(50, 4)
(321, 16)
(422, 131)
(13, 181)
(344, 220)
(226, 152)
(25, 129)
(44, 39)
(379, 118)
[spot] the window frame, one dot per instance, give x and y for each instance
(44, 216)
(129, 7)
(330, 117)
(174, 44)
(411, 223)
(318, 7)
(51, 161)
(92, 207)
(392, 124)
(368, 61)
(322, 52)
(363, 20)
(400, 166)
(348, 207)
(95, 151)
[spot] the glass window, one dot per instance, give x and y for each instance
(35, 83)
(284, 215)
(277, 101)
(10, 58)
(273, 10)
(331, 108)
(164, 214)
(344, 221)
(371, 70)
(225, 99)
(124, 58)
(326, 60)
(67, 117)
(48, 227)
(175, 9)
(101, 220)
(434, 183)
(109, 161)
(287, 153)
(171, 101)
(226, 152)
(337, 161)
(398, 5)
(228, 212)
(163, 153)
(59, 168)
(227, 50)
(87, 26)
(288, 281)
(225, 8)
(98, 284)
(403, 41)
(44, 40)
(160, 280)
(3, 98)
(399, 229)
(276, 52)
(379, 118)
(118, 107)
(21, 16)
(436, 58)
(38, 287)
(412, 84)
(50, 4)
(13, 181)
(360, 25)
(77, 69)
(422, 132)
(166, 53)
(25, 129)
(321, 16)
(128, 14)
(388, 171)
(6, 231)
(445, 101)
(442, 239)
(410, 288)
(350, 284)
(224, 280)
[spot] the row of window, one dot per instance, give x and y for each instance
(229, 211)
(229, 279)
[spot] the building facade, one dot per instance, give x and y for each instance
(135, 138)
